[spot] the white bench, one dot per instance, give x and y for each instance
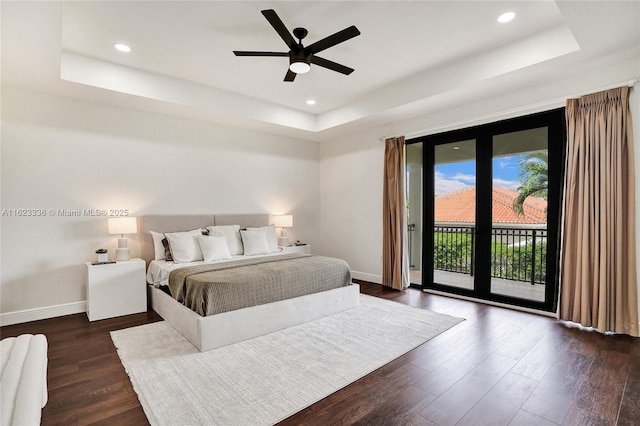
(23, 379)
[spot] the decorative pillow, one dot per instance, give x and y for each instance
(158, 247)
(167, 250)
(255, 242)
(232, 234)
(213, 247)
(184, 246)
(270, 233)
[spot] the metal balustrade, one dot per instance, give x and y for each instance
(517, 254)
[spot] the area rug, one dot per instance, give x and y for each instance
(267, 379)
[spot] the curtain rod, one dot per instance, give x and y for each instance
(630, 83)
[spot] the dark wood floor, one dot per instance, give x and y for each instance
(498, 367)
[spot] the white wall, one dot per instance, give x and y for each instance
(352, 167)
(351, 190)
(59, 153)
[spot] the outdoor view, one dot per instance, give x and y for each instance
(519, 214)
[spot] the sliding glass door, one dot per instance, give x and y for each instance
(519, 214)
(490, 196)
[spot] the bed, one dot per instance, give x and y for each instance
(264, 311)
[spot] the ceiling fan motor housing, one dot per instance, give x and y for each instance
(299, 55)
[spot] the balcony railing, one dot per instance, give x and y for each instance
(517, 254)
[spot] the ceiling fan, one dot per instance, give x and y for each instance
(300, 57)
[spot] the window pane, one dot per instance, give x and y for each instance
(519, 205)
(454, 224)
(414, 210)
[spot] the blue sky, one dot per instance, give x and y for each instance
(456, 176)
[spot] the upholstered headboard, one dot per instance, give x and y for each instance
(175, 223)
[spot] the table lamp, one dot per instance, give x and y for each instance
(283, 221)
(123, 225)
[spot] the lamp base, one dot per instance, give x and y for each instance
(123, 254)
(283, 240)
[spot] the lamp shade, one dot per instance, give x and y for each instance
(282, 221)
(123, 225)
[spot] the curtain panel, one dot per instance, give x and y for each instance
(395, 261)
(598, 267)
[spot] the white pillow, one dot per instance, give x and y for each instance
(184, 246)
(213, 247)
(270, 233)
(255, 242)
(232, 234)
(158, 247)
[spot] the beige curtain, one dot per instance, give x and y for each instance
(395, 262)
(598, 272)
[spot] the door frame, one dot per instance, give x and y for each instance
(554, 120)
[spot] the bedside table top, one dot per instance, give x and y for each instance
(296, 249)
(118, 262)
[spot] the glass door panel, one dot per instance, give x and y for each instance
(414, 210)
(519, 214)
(454, 213)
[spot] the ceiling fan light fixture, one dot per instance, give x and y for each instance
(300, 67)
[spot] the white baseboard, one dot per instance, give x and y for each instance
(35, 314)
(377, 279)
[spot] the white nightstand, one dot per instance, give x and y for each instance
(116, 289)
(296, 249)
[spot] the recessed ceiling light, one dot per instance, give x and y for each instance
(456, 147)
(311, 102)
(506, 17)
(122, 47)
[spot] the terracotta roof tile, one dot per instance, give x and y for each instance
(459, 207)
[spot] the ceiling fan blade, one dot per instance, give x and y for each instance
(250, 53)
(280, 28)
(290, 76)
(331, 65)
(332, 40)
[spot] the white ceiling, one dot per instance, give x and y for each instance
(410, 55)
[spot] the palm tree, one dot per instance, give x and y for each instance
(534, 175)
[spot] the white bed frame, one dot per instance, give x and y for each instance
(214, 331)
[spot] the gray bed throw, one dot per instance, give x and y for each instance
(215, 288)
